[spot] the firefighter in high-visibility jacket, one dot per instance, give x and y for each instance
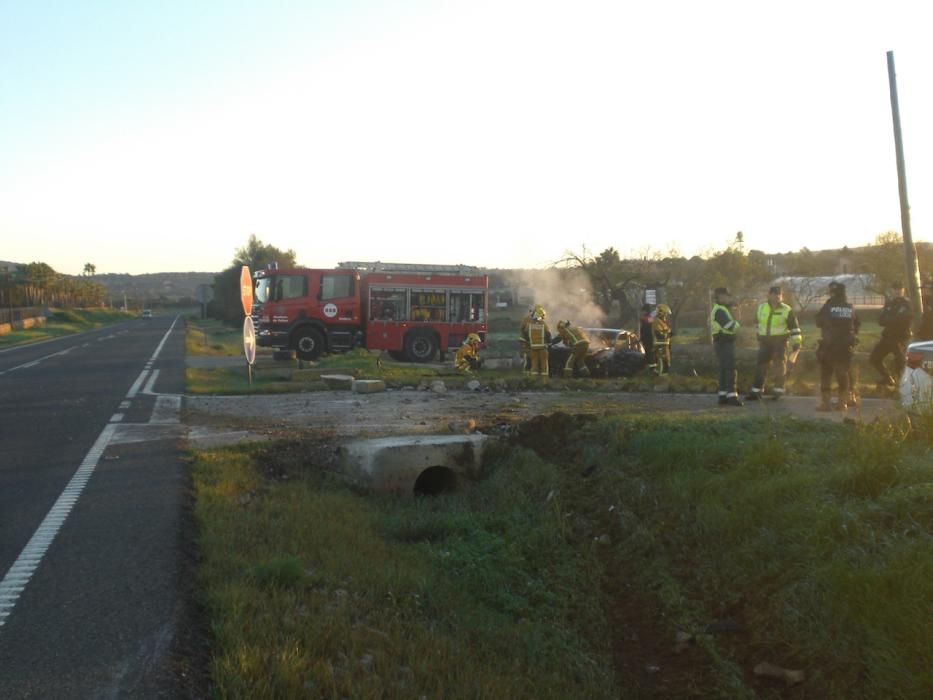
(777, 326)
(724, 326)
(538, 337)
(575, 339)
(661, 333)
(467, 358)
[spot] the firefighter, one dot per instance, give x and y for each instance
(523, 348)
(538, 337)
(661, 333)
(839, 326)
(575, 339)
(723, 327)
(777, 325)
(467, 358)
(895, 320)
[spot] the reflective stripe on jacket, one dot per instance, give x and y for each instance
(779, 322)
(722, 322)
(538, 334)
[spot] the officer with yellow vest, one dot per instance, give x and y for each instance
(724, 326)
(538, 336)
(575, 339)
(777, 324)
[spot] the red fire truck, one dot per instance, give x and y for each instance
(413, 311)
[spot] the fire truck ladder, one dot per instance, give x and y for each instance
(378, 266)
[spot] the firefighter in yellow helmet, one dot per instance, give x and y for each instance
(523, 348)
(538, 337)
(467, 358)
(661, 332)
(575, 339)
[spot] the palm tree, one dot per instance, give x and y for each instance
(90, 269)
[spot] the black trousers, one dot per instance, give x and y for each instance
(834, 361)
(889, 345)
(771, 349)
(725, 355)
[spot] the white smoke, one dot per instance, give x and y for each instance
(564, 294)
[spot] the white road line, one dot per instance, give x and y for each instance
(15, 580)
(116, 418)
(151, 382)
(19, 574)
(131, 394)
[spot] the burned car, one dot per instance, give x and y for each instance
(612, 353)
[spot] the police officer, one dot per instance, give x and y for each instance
(895, 320)
(839, 326)
(777, 324)
(723, 327)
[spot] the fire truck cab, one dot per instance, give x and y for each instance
(412, 311)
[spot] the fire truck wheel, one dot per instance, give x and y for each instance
(309, 343)
(420, 346)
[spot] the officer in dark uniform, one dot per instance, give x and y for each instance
(839, 326)
(895, 320)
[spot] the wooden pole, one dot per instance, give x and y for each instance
(910, 251)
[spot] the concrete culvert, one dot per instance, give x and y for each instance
(406, 465)
(435, 481)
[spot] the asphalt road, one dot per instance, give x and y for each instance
(91, 493)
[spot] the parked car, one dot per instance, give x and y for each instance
(915, 391)
(147, 313)
(612, 353)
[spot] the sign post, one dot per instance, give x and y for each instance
(249, 346)
(249, 330)
(204, 293)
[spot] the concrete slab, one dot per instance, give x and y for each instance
(369, 386)
(338, 381)
(395, 464)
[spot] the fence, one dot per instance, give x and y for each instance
(19, 314)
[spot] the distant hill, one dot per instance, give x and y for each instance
(150, 288)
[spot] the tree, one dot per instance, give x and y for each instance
(90, 269)
(255, 254)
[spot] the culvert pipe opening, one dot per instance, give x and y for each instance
(435, 481)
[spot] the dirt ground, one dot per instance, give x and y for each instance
(219, 419)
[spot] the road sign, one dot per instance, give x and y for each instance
(246, 290)
(204, 293)
(249, 340)
(651, 296)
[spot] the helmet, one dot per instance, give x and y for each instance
(563, 324)
(664, 310)
(473, 339)
(539, 312)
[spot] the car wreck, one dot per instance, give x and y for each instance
(613, 352)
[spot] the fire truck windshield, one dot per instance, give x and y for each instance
(263, 288)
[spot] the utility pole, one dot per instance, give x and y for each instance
(910, 251)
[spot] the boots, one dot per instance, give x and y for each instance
(825, 404)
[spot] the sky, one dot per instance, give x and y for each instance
(158, 136)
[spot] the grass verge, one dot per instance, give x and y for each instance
(316, 591)
(65, 322)
(570, 569)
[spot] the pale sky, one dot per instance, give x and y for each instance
(157, 136)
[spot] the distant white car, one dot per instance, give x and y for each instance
(147, 313)
(915, 391)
